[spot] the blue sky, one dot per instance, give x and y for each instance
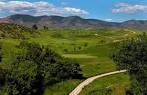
(109, 10)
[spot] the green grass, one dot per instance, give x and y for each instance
(62, 88)
(9, 49)
(94, 57)
(110, 85)
(94, 66)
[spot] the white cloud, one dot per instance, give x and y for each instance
(108, 19)
(75, 10)
(129, 8)
(38, 8)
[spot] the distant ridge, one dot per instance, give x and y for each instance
(71, 22)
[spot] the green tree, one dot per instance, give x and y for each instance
(45, 27)
(0, 52)
(37, 67)
(22, 79)
(35, 27)
(3, 72)
(2, 77)
(132, 55)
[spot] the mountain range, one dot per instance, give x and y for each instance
(70, 22)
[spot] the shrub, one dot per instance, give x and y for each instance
(37, 67)
(132, 55)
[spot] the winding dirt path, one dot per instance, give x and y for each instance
(79, 88)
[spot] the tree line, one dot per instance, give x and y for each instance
(35, 27)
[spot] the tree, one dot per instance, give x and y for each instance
(2, 77)
(132, 55)
(37, 67)
(35, 27)
(86, 44)
(22, 79)
(3, 72)
(0, 52)
(45, 27)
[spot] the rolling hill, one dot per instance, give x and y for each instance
(71, 22)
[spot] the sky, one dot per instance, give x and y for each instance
(108, 10)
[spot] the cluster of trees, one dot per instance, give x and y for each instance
(75, 48)
(35, 27)
(132, 55)
(34, 69)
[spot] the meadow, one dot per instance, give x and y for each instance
(91, 48)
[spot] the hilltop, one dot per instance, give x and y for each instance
(71, 22)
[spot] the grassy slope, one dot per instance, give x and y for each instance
(98, 50)
(111, 85)
(62, 88)
(93, 58)
(91, 48)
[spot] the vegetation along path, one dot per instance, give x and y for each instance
(79, 88)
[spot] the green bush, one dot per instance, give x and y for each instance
(37, 67)
(132, 55)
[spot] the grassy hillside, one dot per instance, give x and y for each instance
(94, 52)
(14, 31)
(111, 85)
(90, 47)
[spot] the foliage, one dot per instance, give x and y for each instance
(2, 71)
(35, 27)
(13, 31)
(37, 67)
(45, 27)
(132, 55)
(0, 52)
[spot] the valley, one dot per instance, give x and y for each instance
(91, 48)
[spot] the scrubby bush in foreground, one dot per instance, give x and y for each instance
(37, 67)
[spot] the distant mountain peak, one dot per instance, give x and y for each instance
(70, 22)
(74, 17)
